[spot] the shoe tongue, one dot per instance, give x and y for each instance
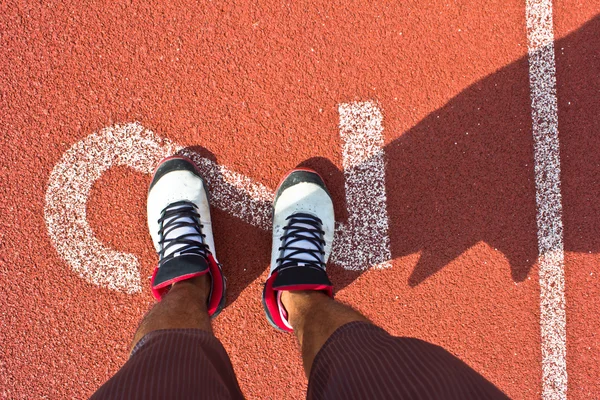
(293, 277)
(315, 251)
(191, 233)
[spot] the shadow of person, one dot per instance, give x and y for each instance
(578, 81)
(465, 174)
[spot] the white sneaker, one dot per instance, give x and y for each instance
(181, 229)
(303, 227)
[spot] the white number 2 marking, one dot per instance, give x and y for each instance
(360, 243)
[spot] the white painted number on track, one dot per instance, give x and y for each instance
(364, 240)
(70, 184)
(360, 243)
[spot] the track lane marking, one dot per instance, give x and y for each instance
(69, 187)
(361, 130)
(544, 115)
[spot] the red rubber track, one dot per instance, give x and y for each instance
(259, 86)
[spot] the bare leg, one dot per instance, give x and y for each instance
(183, 307)
(314, 317)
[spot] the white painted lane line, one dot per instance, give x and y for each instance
(542, 81)
(364, 240)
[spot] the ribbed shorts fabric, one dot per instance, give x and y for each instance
(174, 364)
(358, 361)
(362, 361)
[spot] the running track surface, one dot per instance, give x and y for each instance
(258, 89)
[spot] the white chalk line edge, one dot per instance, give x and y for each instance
(544, 114)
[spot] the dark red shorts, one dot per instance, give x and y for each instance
(359, 361)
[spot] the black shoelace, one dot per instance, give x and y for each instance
(177, 215)
(302, 227)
